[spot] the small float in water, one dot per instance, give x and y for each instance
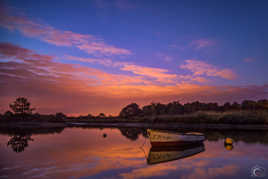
(160, 138)
(228, 143)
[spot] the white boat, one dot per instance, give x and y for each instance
(168, 138)
(166, 154)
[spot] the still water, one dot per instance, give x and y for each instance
(125, 153)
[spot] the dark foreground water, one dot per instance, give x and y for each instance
(125, 153)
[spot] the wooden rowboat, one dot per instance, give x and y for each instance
(168, 138)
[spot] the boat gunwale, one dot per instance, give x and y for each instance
(176, 133)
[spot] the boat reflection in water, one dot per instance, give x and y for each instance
(166, 154)
(169, 146)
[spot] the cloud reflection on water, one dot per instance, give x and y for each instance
(84, 153)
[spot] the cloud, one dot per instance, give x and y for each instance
(202, 43)
(165, 57)
(168, 58)
(160, 74)
(52, 86)
(102, 48)
(104, 61)
(199, 68)
(15, 52)
(49, 34)
(187, 78)
(248, 60)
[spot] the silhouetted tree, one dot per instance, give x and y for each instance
(226, 106)
(212, 107)
(8, 115)
(249, 105)
(130, 110)
(236, 106)
(101, 115)
(60, 116)
(262, 104)
(21, 107)
(160, 109)
(188, 108)
(174, 108)
(148, 110)
(90, 116)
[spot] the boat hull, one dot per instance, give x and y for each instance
(175, 143)
(166, 138)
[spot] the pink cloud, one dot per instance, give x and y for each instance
(51, 85)
(49, 34)
(160, 74)
(102, 61)
(199, 68)
(164, 57)
(105, 61)
(248, 60)
(102, 48)
(201, 43)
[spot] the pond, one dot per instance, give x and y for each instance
(126, 153)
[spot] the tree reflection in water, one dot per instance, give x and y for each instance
(20, 137)
(19, 142)
(133, 133)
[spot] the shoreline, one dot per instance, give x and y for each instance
(196, 126)
(33, 125)
(173, 126)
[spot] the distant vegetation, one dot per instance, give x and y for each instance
(248, 112)
(176, 108)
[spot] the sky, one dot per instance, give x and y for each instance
(92, 56)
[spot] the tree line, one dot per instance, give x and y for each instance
(176, 108)
(22, 110)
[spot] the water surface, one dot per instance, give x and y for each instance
(123, 153)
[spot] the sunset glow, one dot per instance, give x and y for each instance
(98, 56)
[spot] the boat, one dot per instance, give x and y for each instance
(166, 154)
(169, 138)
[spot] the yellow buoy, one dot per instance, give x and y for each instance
(228, 141)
